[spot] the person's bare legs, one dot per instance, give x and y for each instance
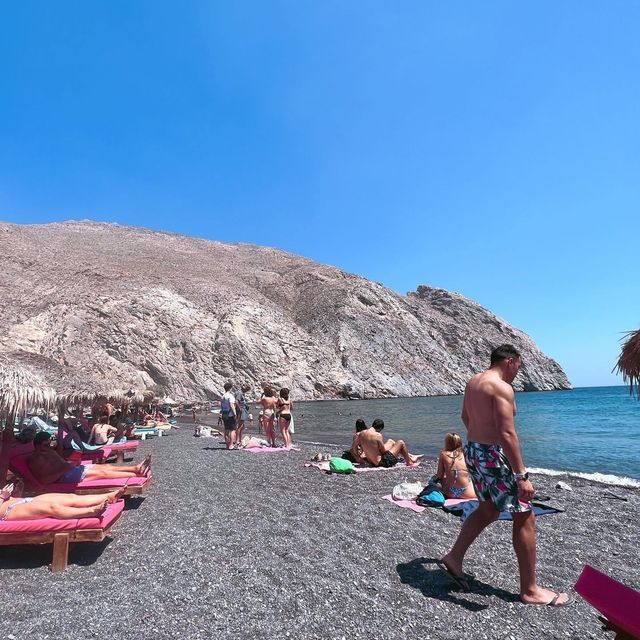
(473, 526)
(240, 431)
(62, 506)
(284, 432)
(270, 432)
(524, 544)
(73, 500)
(113, 472)
(400, 448)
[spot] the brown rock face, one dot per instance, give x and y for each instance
(143, 308)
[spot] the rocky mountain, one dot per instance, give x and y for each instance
(144, 309)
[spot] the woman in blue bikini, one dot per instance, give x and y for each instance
(452, 470)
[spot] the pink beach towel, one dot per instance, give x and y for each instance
(270, 449)
(405, 504)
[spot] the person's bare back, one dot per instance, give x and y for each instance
(372, 445)
(483, 393)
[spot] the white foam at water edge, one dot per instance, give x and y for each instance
(605, 478)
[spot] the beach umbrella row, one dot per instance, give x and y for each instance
(629, 361)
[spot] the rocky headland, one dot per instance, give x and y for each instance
(136, 308)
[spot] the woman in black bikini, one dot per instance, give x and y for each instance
(284, 415)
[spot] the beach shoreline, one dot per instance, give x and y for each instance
(233, 545)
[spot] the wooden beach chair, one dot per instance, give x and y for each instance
(132, 486)
(619, 604)
(60, 532)
(120, 448)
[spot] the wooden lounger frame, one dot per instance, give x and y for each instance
(60, 540)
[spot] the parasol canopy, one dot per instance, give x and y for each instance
(629, 361)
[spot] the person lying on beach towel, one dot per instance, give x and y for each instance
(379, 453)
(49, 467)
(61, 506)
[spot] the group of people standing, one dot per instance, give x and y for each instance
(275, 410)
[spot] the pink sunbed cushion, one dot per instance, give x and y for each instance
(53, 524)
(129, 445)
(617, 602)
(19, 465)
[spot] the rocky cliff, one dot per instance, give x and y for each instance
(143, 309)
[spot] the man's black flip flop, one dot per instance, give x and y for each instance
(461, 581)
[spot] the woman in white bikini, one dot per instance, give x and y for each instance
(269, 405)
(61, 506)
(452, 470)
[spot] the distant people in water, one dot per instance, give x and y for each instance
(379, 453)
(452, 470)
(283, 407)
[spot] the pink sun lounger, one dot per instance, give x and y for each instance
(121, 448)
(133, 486)
(60, 532)
(619, 604)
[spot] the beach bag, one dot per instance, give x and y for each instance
(407, 490)
(340, 465)
(225, 406)
(431, 495)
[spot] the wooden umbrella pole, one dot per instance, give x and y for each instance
(7, 441)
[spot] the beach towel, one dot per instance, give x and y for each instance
(323, 465)
(405, 504)
(270, 449)
(464, 508)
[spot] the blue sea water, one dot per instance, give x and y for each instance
(593, 432)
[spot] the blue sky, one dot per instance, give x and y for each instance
(487, 148)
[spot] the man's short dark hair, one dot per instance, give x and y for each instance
(378, 424)
(227, 386)
(503, 352)
(41, 436)
(360, 425)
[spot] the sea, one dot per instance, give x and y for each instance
(590, 432)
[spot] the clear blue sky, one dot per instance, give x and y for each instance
(488, 148)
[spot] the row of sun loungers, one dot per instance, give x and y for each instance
(61, 533)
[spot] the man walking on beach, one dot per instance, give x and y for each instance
(495, 463)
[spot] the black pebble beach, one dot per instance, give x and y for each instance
(230, 544)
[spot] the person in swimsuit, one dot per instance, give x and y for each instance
(48, 467)
(379, 453)
(501, 481)
(101, 431)
(61, 506)
(242, 409)
(355, 454)
(284, 407)
(269, 405)
(452, 470)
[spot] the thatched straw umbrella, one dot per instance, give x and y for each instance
(629, 361)
(20, 390)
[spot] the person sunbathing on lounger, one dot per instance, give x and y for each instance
(48, 467)
(62, 506)
(384, 454)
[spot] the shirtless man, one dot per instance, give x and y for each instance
(499, 476)
(381, 454)
(48, 467)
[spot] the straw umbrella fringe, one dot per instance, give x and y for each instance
(629, 362)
